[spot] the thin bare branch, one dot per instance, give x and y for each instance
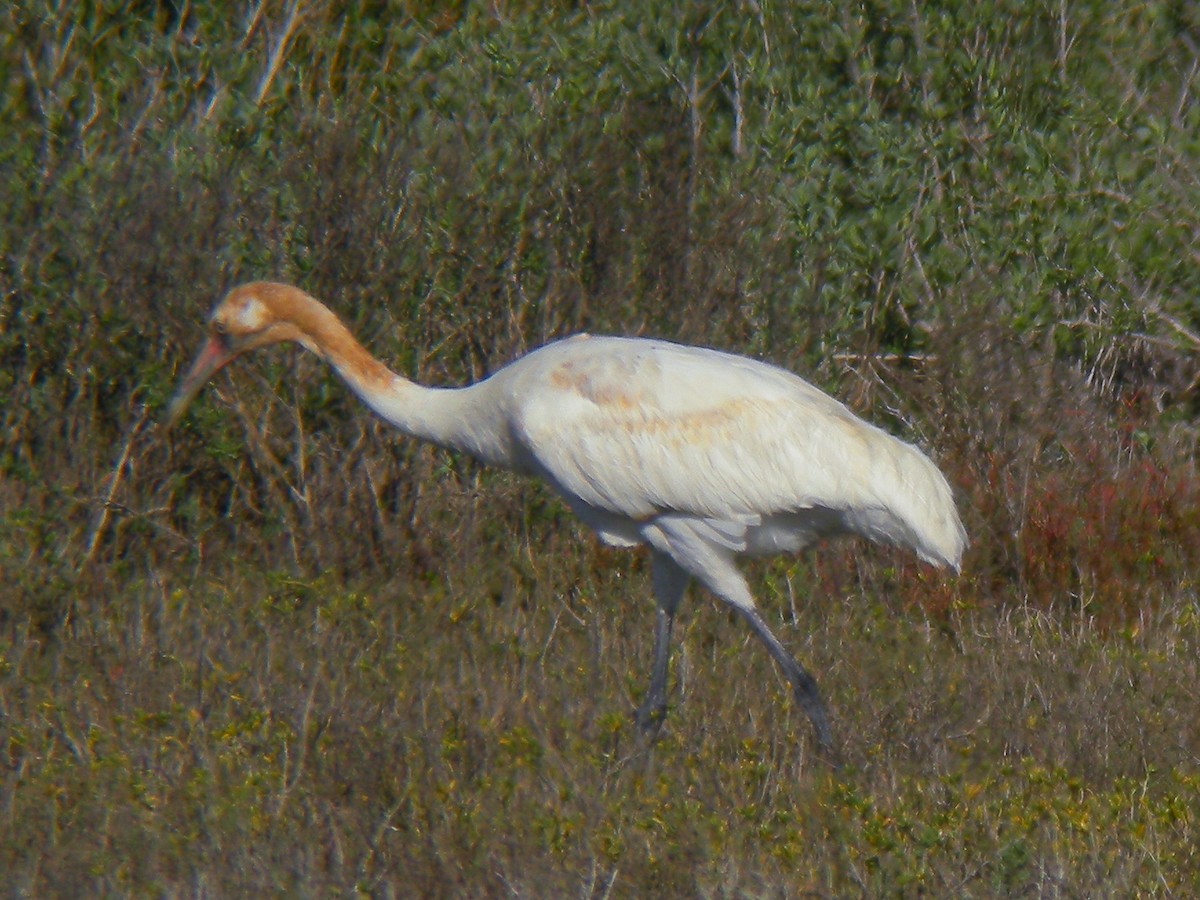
(114, 484)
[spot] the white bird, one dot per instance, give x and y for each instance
(699, 455)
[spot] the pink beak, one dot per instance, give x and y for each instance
(212, 357)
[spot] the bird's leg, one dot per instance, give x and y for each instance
(653, 709)
(694, 553)
(803, 684)
(669, 582)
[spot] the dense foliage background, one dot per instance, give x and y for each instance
(280, 649)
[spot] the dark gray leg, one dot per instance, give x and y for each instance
(803, 684)
(669, 582)
(711, 562)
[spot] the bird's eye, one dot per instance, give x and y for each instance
(219, 328)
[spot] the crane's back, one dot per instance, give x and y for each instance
(629, 429)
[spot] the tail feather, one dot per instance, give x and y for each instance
(916, 507)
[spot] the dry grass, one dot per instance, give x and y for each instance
(295, 735)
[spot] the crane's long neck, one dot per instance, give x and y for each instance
(458, 418)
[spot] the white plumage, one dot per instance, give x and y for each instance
(701, 456)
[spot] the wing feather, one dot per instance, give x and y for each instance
(637, 428)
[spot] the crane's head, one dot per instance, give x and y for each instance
(252, 315)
